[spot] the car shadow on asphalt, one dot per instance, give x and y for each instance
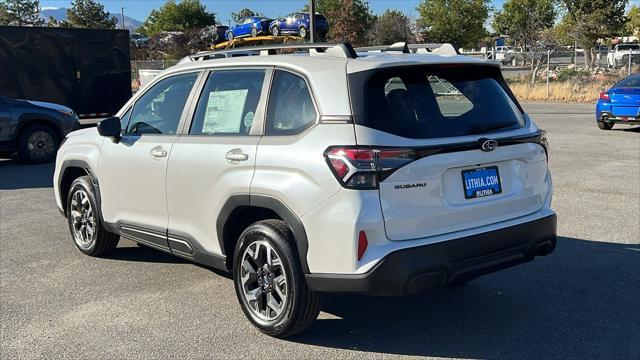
(583, 301)
(141, 253)
(133, 252)
(632, 129)
(14, 175)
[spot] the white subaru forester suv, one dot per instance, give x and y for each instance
(320, 169)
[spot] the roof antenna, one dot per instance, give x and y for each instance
(398, 48)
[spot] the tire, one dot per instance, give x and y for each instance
(275, 30)
(603, 125)
(83, 210)
(303, 32)
(38, 144)
(230, 36)
(254, 32)
(282, 279)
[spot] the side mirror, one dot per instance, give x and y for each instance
(110, 127)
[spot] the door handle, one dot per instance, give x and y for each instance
(158, 153)
(236, 155)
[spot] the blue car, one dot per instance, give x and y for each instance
(250, 26)
(298, 24)
(620, 104)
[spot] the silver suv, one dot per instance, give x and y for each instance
(319, 170)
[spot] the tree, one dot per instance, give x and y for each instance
(172, 16)
(589, 20)
(349, 20)
(632, 27)
(89, 14)
(525, 20)
(20, 13)
(244, 13)
(460, 22)
(4, 15)
(390, 27)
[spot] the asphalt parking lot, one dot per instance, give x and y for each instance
(583, 301)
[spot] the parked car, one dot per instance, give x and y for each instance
(620, 104)
(504, 54)
(34, 129)
(326, 171)
(620, 55)
(138, 40)
(250, 26)
(221, 34)
(299, 24)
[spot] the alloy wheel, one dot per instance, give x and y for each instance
(263, 280)
(83, 219)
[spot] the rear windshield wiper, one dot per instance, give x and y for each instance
(490, 127)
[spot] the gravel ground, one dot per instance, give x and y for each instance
(583, 301)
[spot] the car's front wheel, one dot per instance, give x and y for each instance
(303, 32)
(254, 32)
(38, 144)
(87, 230)
(275, 30)
(230, 36)
(269, 281)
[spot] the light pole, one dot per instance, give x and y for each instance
(122, 12)
(312, 20)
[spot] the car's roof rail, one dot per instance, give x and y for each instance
(344, 50)
(401, 47)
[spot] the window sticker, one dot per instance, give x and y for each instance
(224, 111)
(248, 119)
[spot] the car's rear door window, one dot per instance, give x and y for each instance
(291, 109)
(434, 101)
(228, 102)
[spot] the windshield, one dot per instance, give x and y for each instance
(434, 101)
(627, 47)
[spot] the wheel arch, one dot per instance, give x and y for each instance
(42, 120)
(71, 170)
(240, 211)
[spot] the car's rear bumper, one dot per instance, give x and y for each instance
(617, 119)
(436, 265)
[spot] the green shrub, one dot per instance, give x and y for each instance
(567, 74)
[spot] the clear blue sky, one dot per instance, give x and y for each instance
(140, 9)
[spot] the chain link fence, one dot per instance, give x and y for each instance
(569, 75)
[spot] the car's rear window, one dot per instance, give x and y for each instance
(434, 101)
(633, 82)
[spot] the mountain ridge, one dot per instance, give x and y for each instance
(61, 14)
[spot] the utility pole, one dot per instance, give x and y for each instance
(122, 11)
(312, 20)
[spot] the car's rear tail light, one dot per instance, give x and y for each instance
(362, 244)
(364, 167)
(604, 95)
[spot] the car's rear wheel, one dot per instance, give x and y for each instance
(603, 125)
(269, 281)
(38, 144)
(275, 30)
(230, 36)
(254, 32)
(87, 230)
(302, 32)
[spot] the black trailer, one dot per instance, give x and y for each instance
(87, 70)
